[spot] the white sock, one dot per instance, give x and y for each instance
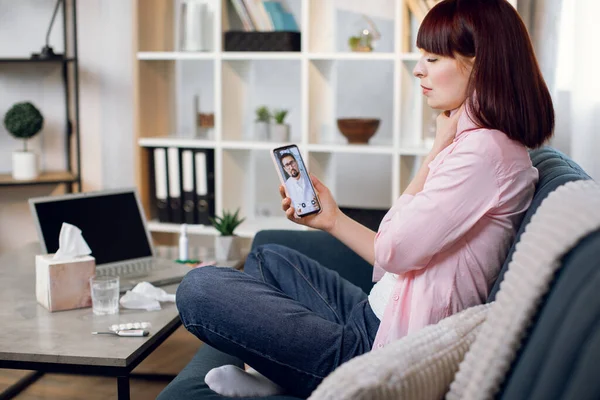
(232, 381)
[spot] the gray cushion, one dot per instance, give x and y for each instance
(555, 169)
(559, 356)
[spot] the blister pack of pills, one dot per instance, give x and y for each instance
(129, 326)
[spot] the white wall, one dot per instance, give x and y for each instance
(585, 102)
(106, 100)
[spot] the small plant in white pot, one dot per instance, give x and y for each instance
(24, 121)
(262, 122)
(227, 246)
(280, 131)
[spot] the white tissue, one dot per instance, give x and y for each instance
(145, 296)
(71, 243)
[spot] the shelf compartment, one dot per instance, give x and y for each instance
(155, 23)
(251, 183)
(355, 180)
(333, 22)
(48, 177)
(158, 25)
(248, 84)
(335, 93)
(156, 98)
(194, 93)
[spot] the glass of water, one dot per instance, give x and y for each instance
(105, 294)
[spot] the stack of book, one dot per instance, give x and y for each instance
(183, 182)
(264, 15)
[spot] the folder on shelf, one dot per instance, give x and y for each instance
(242, 13)
(258, 15)
(173, 177)
(160, 184)
(188, 194)
(204, 186)
(280, 19)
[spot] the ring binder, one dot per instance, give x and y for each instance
(174, 180)
(184, 185)
(204, 185)
(188, 193)
(160, 184)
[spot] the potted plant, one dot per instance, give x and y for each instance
(280, 131)
(366, 38)
(226, 243)
(24, 121)
(261, 124)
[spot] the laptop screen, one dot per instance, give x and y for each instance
(111, 224)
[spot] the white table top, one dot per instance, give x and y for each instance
(30, 333)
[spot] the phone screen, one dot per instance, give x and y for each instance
(293, 174)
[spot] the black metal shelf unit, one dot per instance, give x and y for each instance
(69, 64)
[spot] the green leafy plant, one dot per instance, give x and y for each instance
(227, 223)
(353, 42)
(23, 121)
(279, 116)
(263, 114)
(361, 43)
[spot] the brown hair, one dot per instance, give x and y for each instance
(511, 95)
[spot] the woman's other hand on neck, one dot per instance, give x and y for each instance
(446, 125)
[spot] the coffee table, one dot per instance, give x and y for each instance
(35, 339)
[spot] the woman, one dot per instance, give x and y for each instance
(439, 248)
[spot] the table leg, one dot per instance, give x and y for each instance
(22, 384)
(123, 387)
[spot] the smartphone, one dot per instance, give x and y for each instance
(294, 176)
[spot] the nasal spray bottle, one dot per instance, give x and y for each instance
(183, 243)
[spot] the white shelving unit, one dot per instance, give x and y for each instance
(319, 84)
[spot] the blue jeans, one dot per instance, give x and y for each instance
(286, 315)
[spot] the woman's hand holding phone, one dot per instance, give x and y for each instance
(325, 220)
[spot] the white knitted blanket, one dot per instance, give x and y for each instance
(567, 215)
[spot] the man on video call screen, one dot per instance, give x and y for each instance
(297, 184)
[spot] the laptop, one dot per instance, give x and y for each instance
(114, 226)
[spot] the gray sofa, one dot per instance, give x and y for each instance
(552, 363)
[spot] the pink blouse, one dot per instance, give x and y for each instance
(448, 242)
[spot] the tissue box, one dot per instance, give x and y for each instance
(64, 284)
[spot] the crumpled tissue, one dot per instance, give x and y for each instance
(145, 296)
(71, 243)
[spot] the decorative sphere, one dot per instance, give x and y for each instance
(23, 120)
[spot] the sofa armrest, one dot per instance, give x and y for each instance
(325, 249)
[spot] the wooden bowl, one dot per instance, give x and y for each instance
(358, 130)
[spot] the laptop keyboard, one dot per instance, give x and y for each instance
(130, 270)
